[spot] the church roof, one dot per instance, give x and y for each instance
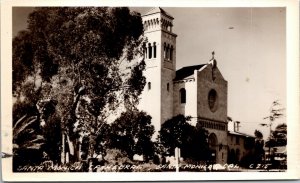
(158, 10)
(187, 71)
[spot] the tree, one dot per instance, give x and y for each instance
(177, 132)
(34, 140)
(174, 133)
(276, 112)
(132, 133)
(52, 134)
(259, 147)
(280, 135)
(74, 55)
(258, 135)
(25, 141)
(23, 65)
(198, 148)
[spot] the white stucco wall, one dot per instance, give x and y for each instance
(158, 101)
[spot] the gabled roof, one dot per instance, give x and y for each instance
(158, 10)
(187, 71)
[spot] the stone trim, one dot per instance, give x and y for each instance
(212, 124)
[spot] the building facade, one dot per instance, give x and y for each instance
(240, 146)
(199, 91)
(160, 58)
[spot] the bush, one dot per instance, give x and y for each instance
(116, 157)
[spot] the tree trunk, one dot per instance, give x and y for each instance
(63, 150)
(73, 143)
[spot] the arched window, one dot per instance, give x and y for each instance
(150, 50)
(182, 96)
(171, 53)
(168, 52)
(231, 156)
(154, 50)
(212, 100)
(168, 87)
(165, 49)
(212, 141)
(149, 85)
(145, 50)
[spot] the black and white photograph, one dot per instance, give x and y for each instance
(150, 89)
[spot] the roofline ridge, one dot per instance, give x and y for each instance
(161, 10)
(242, 133)
(193, 65)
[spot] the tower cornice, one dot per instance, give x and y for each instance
(162, 30)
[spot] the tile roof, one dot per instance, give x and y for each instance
(157, 10)
(187, 71)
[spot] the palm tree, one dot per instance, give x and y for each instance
(27, 142)
(25, 136)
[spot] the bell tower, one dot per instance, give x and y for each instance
(160, 58)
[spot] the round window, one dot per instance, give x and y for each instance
(212, 100)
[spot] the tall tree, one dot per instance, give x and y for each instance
(177, 132)
(74, 55)
(276, 112)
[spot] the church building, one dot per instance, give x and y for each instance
(199, 91)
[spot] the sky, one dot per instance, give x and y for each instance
(250, 49)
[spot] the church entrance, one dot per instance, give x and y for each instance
(213, 144)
